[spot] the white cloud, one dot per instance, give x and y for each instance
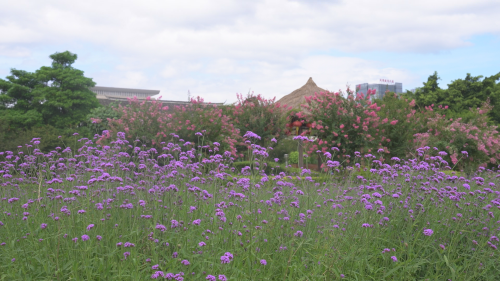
(216, 48)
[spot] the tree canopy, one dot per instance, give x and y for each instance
(461, 95)
(56, 95)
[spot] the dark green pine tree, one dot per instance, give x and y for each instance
(19, 104)
(58, 95)
(66, 99)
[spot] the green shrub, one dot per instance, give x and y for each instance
(271, 168)
(284, 146)
(293, 158)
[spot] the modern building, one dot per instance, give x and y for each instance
(381, 87)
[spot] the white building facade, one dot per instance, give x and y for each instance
(381, 87)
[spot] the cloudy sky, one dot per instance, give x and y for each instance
(217, 48)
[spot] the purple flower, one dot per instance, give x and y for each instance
(89, 227)
(197, 222)
(366, 225)
(224, 259)
(201, 244)
(81, 211)
(85, 237)
(394, 259)
(158, 274)
(298, 234)
(161, 227)
(428, 232)
(174, 223)
(13, 260)
(156, 266)
(222, 277)
(174, 255)
(228, 254)
(75, 239)
(99, 237)
(43, 226)
(263, 262)
(442, 246)
(185, 262)
(249, 135)
(126, 254)
(211, 278)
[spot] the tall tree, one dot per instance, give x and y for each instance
(67, 98)
(430, 93)
(58, 95)
(19, 103)
(461, 95)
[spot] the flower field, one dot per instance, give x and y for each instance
(124, 212)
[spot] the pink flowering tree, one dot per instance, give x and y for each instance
(138, 120)
(197, 116)
(399, 121)
(468, 144)
(346, 123)
(153, 124)
(259, 115)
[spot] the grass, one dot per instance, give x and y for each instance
(325, 227)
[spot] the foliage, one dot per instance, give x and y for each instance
(346, 123)
(105, 213)
(19, 101)
(58, 95)
(262, 116)
(97, 119)
(461, 95)
(268, 167)
(293, 157)
(50, 137)
(284, 146)
(153, 125)
(400, 121)
(476, 141)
